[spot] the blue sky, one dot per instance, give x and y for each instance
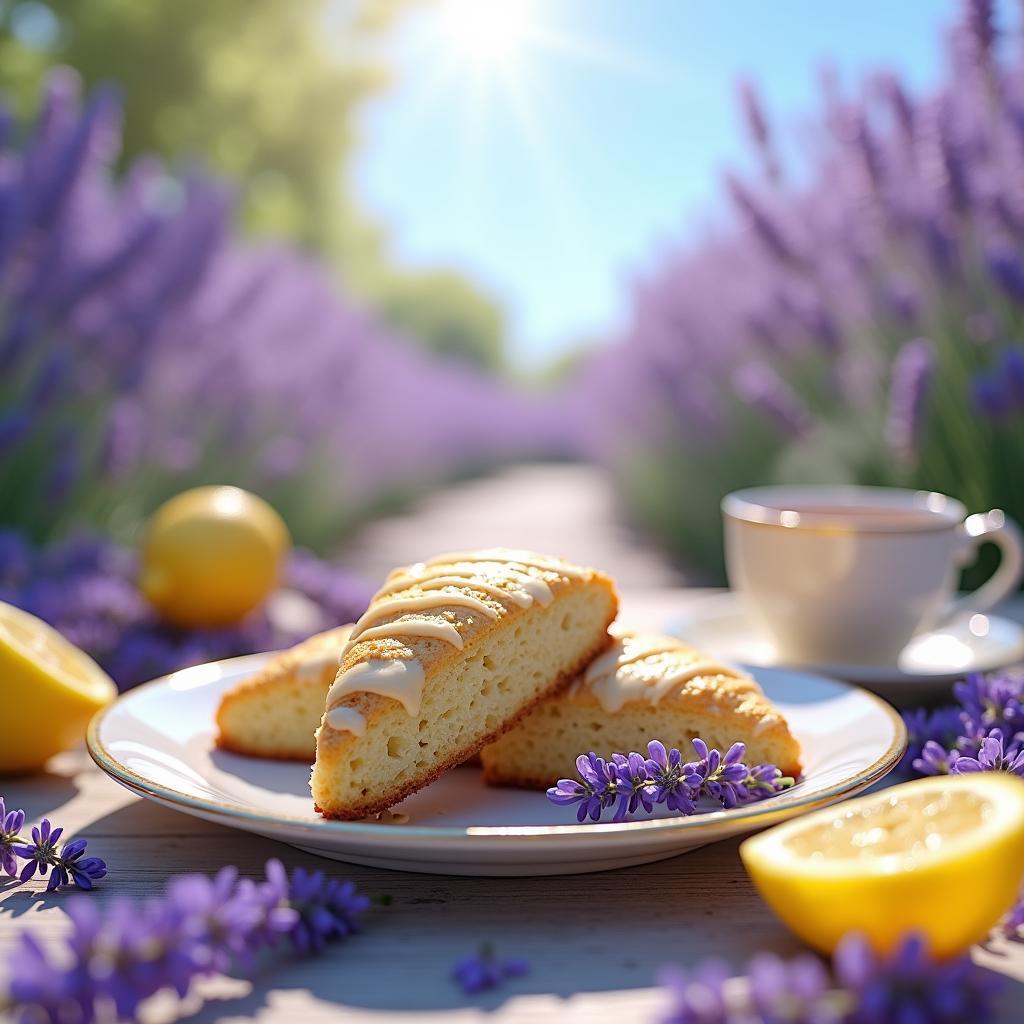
(552, 174)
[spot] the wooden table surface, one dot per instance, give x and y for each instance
(594, 941)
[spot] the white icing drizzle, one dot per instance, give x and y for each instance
(443, 599)
(344, 719)
(527, 558)
(627, 650)
(470, 574)
(609, 679)
(418, 626)
(397, 678)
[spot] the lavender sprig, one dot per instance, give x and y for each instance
(121, 956)
(11, 823)
(483, 970)
(66, 865)
(631, 781)
(993, 756)
(863, 988)
(989, 711)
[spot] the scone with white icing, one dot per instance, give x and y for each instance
(644, 687)
(275, 712)
(451, 653)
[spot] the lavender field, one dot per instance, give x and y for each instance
(854, 316)
(855, 321)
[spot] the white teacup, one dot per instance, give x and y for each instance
(848, 575)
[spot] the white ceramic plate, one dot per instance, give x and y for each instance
(157, 740)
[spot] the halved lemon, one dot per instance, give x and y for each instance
(49, 690)
(941, 856)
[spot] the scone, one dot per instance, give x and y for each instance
(644, 687)
(275, 713)
(450, 654)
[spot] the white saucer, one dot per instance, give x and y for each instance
(931, 661)
(157, 740)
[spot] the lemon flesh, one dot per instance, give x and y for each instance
(49, 690)
(943, 857)
(211, 555)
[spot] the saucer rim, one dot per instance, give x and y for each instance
(703, 609)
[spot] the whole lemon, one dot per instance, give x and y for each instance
(211, 555)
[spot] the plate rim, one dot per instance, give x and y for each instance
(743, 816)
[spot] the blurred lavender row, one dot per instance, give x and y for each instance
(143, 350)
(85, 587)
(860, 322)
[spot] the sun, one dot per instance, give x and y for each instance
(486, 31)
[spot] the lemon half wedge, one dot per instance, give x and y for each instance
(49, 690)
(941, 856)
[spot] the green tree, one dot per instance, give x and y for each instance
(262, 91)
(265, 93)
(445, 312)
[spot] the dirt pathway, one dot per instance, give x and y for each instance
(568, 510)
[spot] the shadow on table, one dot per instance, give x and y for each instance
(16, 900)
(38, 795)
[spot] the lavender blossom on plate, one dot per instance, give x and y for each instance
(631, 781)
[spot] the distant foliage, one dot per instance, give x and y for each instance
(143, 350)
(859, 323)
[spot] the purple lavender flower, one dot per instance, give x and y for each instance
(121, 955)
(69, 865)
(665, 770)
(909, 986)
(990, 703)
(483, 970)
(696, 996)
(935, 759)
(38, 988)
(993, 756)
(717, 777)
(761, 387)
(596, 790)
(662, 778)
(41, 852)
(326, 910)
(989, 397)
(943, 725)
(11, 823)
(72, 866)
(1011, 369)
(1007, 270)
(767, 231)
(634, 785)
(908, 398)
(981, 28)
(756, 121)
(796, 991)
(774, 990)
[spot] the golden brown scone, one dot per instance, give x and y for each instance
(450, 654)
(644, 687)
(275, 713)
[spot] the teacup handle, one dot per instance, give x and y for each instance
(1005, 534)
